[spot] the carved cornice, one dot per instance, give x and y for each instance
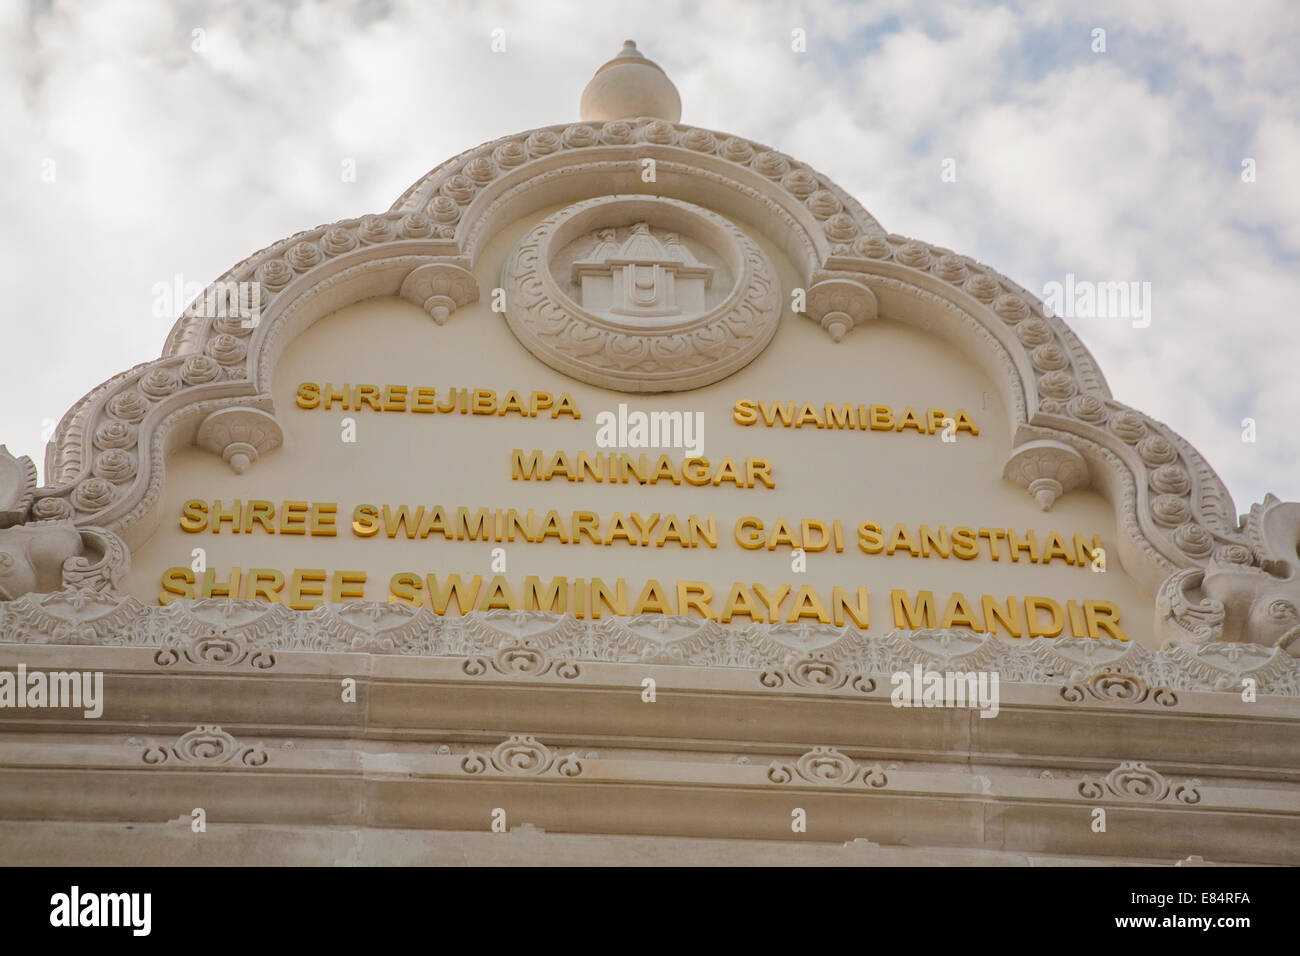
(790, 658)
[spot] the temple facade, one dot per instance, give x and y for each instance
(626, 493)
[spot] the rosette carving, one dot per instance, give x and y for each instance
(303, 256)
(737, 150)
(273, 274)
(772, 165)
(415, 225)
(375, 229)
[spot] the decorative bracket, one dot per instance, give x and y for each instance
(240, 435)
(440, 288)
(840, 305)
(1046, 469)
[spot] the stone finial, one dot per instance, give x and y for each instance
(629, 86)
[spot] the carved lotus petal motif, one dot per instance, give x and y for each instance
(1128, 426)
(303, 256)
(415, 225)
(481, 170)
(1170, 511)
(1233, 554)
(580, 136)
(542, 142)
(1171, 479)
(226, 349)
(443, 209)
(950, 268)
(273, 274)
(338, 240)
(873, 246)
(1057, 385)
(772, 165)
(823, 204)
(1049, 358)
(982, 287)
(617, 133)
(1194, 540)
(128, 406)
(459, 188)
(736, 150)
(200, 369)
(659, 132)
(1011, 308)
(509, 155)
(841, 227)
(159, 383)
(51, 509)
(92, 494)
(800, 183)
(1088, 408)
(914, 254)
(1157, 450)
(114, 465)
(1034, 332)
(375, 229)
(699, 140)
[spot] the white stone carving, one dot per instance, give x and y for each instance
(206, 746)
(840, 305)
(240, 435)
(1246, 593)
(440, 288)
(817, 658)
(17, 487)
(521, 755)
(827, 767)
(1047, 470)
(45, 556)
(638, 311)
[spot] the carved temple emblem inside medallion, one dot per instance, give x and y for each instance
(644, 275)
(641, 293)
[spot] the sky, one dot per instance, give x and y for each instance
(149, 140)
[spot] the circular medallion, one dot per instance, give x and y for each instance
(641, 294)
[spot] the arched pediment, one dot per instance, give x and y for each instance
(105, 467)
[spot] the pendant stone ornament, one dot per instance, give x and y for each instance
(639, 293)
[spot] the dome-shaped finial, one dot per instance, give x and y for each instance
(629, 86)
